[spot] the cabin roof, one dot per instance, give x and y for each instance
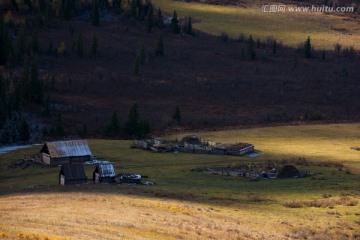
(105, 170)
(70, 148)
(73, 171)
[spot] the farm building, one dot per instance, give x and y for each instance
(72, 174)
(104, 173)
(64, 152)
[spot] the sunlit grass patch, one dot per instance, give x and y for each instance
(290, 28)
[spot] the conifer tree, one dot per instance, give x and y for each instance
(94, 46)
(150, 18)
(189, 29)
(95, 13)
(250, 48)
(137, 65)
(160, 47)
(59, 128)
(307, 48)
(175, 23)
(80, 45)
(177, 115)
(274, 47)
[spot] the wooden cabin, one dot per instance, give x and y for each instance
(104, 173)
(72, 174)
(65, 152)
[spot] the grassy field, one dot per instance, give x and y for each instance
(289, 27)
(191, 205)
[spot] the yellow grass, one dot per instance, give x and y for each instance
(289, 27)
(117, 216)
(315, 142)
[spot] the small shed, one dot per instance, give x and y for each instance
(65, 152)
(104, 173)
(72, 174)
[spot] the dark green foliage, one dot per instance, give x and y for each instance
(68, 6)
(159, 19)
(188, 28)
(134, 126)
(21, 44)
(142, 55)
(251, 48)
(160, 47)
(15, 129)
(14, 5)
(134, 8)
(94, 46)
(116, 6)
(150, 18)
(175, 23)
(46, 112)
(95, 13)
(113, 128)
(35, 43)
(137, 65)
(80, 45)
(274, 47)
(224, 37)
(36, 85)
(82, 132)
(307, 48)
(59, 128)
(177, 115)
(50, 50)
(24, 131)
(4, 50)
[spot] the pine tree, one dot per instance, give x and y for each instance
(24, 131)
(114, 127)
(68, 8)
(35, 43)
(189, 29)
(94, 46)
(250, 48)
(21, 44)
(160, 47)
(150, 18)
(80, 46)
(134, 8)
(132, 124)
(142, 55)
(307, 48)
(274, 47)
(175, 23)
(59, 129)
(177, 115)
(159, 18)
(137, 65)
(50, 48)
(95, 13)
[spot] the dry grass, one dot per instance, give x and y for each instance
(119, 216)
(328, 203)
(114, 216)
(317, 144)
(291, 28)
